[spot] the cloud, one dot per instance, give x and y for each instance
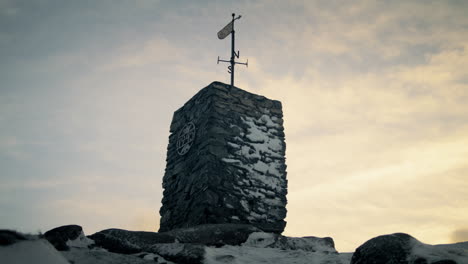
(157, 51)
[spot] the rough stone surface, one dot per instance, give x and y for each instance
(389, 249)
(214, 234)
(59, 236)
(404, 249)
(310, 243)
(131, 242)
(128, 242)
(235, 171)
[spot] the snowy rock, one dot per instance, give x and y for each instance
(130, 242)
(404, 249)
(59, 236)
(234, 171)
(386, 249)
(271, 240)
(80, 242)
(254, 255)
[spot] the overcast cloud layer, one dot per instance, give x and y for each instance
(374, 94)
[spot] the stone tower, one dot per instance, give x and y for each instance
(226, 162)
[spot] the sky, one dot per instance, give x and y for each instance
(374, 94)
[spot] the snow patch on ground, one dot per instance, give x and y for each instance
(255, 255)
(31, 251)
(97, 256)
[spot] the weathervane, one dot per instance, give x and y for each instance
(223, 33)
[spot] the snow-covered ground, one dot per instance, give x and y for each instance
(253, 255)
(38, 251)
(100, 256)
(260, 247)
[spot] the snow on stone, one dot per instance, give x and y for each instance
(262, 247)
(260, 239)
(80, 242)
(268, 122)
(31, 251)
(258, 155)
(156, 258)
(263, 145)
(233, 145)
(255, 133)
(98, 256)
(245, 205)
(312, 244)
(255, 255)
(269, 181)
(231, 160)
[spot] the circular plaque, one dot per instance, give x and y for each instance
(185, 139)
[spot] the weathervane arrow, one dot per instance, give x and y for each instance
(223, 33)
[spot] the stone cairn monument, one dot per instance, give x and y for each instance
(226, 162)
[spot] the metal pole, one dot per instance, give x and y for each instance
(232, 52)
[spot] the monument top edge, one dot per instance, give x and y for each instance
(223, 89)
(217, 85)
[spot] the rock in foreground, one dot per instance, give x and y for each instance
(132, 247)
(129, 242)
(26, 250)
(59, 236)
(402, 248)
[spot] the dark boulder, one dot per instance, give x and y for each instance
(404, 249)
(214, 234)
(386, 249)
(128, 242)
(9, 237)
(59, 236)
